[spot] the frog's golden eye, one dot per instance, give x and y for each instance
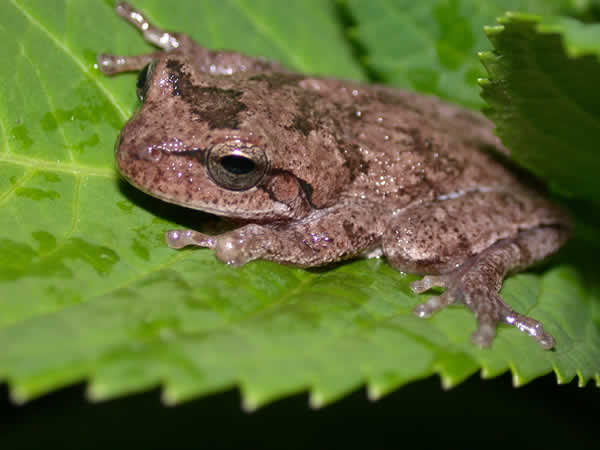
(236, 167)
(143, 80)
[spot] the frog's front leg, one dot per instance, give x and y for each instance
(325, 236)
(152, 34)
(468, 246)
(214, 62)
(111, 64)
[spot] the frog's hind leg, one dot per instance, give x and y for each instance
(477, 282)
(469, 250)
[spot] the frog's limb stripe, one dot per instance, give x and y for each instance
(152, 34)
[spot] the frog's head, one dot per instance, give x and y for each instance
(236, 146)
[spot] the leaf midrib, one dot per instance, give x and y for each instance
(58, 166)
(73, 56)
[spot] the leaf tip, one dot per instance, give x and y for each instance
(560, 378)
(517, 380)
(169, 397)
(516, 16)
(316, 400)
(250, 402)
(19, 396)
(581, 381)
(506, 18)
(492, 30)
(374, 392)
(487, 56)
(96, 392)
(447, 382)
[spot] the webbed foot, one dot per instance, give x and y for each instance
(476, 285)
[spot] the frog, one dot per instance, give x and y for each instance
(315, 170)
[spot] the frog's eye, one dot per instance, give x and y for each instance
(143, 80)
(236, 168)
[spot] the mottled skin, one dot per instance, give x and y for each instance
(347, 169)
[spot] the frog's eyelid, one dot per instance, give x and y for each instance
(143, 80)
(235, 169)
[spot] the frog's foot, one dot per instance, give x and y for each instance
(427, 282)
(184, 238)
(476, 285)
(111, 64)
(235, 248)
(152, 34)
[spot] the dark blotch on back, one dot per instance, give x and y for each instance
(307, 118)
(219, 108)
(354, 159)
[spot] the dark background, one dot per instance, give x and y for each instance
(419, 415)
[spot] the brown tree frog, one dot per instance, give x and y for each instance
(317, 170)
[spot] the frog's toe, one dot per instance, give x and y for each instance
(427, 282)
(485, 333)
(229, 250)
(434, 304)
(184, 238)
(532, 327)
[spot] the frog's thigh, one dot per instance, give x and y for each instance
(477, 282)
(474, 242)
(437, 238)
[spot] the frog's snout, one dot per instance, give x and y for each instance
(134, 145)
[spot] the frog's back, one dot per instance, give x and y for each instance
(409, 147)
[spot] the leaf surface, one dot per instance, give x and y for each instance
(543, 97)
(431, 46)
(89, 291)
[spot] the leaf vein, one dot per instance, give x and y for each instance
(73, 225)
(45, 90)
(170, 261)
(27, 175)
(58, 166)
(67, 51)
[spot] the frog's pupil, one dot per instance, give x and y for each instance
(237, 165)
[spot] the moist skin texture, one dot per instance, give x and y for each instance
(320, 170)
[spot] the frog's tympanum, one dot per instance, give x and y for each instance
(317, 170)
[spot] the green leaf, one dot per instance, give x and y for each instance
(89, 291)
(543, 95)
(431, 46)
